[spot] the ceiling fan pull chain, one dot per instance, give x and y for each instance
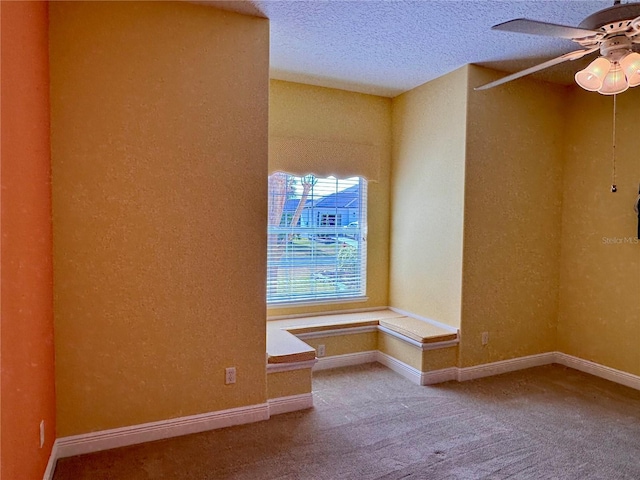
(614, 188)
(636, 207)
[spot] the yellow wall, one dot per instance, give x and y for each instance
(520, 207)
(292, 382)
(429, 125)
(157, 107)
(159, 152)
(305, 111)
(343, 344)
(400, 350)
(490, 162)
(513, 199)
(600, 282)
(439, 359)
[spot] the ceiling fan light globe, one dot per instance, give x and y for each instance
(634, 80)
(592, 77)
(588, 81)
(615, 82)
(631, 68)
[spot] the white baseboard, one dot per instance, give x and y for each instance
(346, 360)
(148, 432)
(617, 376)
(439, 376)
(592, 368)
(51, 465)
(504, 366)
(479, 371)
(120, 437)
(407, 371)
(413, 374)
(291, 403)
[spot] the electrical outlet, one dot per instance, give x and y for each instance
(485, 338)
(42, 434)
(229, 375)
(321, 351)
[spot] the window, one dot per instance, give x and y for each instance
(316, 247)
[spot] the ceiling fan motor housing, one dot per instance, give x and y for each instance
(615, 47)
(618, 18)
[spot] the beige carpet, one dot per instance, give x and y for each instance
(369, 423)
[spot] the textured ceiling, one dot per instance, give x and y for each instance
(386, 47)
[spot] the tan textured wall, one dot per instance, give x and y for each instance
(427, 361)
(513, 201)
(342, 344)
(297, 110)
(400, 350)
(600, 282)
(159, 151)
(439, 359)
(429, 124)
(294, 382)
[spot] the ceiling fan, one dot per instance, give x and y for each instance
(614, 32)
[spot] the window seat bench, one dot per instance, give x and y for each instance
(283, 347)
(284, 337)
(418, 349)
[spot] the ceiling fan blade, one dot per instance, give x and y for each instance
(536, 68)
(534, 27)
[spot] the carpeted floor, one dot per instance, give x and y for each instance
(369, 423)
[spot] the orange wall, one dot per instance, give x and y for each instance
(26, 295)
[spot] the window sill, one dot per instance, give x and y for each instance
(315, 303)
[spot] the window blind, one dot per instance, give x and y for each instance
(324, 157)
(317, 237)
